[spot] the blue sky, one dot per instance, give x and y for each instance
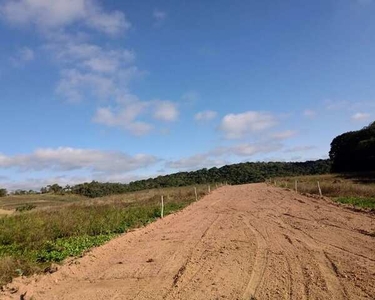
(121, 90)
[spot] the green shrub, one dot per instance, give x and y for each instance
(25, 207)
(358, 202)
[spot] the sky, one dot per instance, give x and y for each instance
(123, 90)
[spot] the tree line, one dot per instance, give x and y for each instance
(241, 173)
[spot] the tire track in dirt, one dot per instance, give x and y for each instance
(320, 257)
(260, 263)
(240, 242)
(178, 276)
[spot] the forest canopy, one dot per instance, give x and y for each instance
(354, 151)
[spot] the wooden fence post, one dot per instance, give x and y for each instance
(320, 190)
(162, 206)
(196, 195)
(209, 189)
(296, 185)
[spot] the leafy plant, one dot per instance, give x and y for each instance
(358, 202)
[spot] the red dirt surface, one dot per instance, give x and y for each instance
(240, 242)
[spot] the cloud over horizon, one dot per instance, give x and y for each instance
(69, 159)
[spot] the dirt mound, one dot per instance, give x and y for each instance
(240, 242)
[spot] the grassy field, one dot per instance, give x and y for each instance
(40, 200)
(357, 190)
(59, 228)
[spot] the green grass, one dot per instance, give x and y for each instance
(359, 202)
(33, 239)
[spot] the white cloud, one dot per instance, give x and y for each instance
(50, 15)
(68, 159)
(159, 17)
(360, 117)
(284, 134)
(206, 115)
(165, 111)
(308, 113)
(92, 71)
(92, 57)
(124, 118)
(74, 85)
(22, 56)
(111, 23)
(239, 125)
(127, 114)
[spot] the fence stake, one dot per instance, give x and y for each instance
(196, 195)
(296, 185)
(274, 182)
(320, 190)
(162, 206)
(209, 189)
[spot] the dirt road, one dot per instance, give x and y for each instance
(240, 242)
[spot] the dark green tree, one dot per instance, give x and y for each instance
(354, 151)
(55, 188)
(3, 192)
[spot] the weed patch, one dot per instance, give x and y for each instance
(30, 242)
(359, 202)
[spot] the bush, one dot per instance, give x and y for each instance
(3, 192)
(25, 207)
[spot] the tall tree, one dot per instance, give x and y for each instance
(354, 151)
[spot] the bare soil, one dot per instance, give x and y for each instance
(6, 212)
(240, 242)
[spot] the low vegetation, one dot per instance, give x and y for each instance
(354, 189)
(33, 239)
(358, 202)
